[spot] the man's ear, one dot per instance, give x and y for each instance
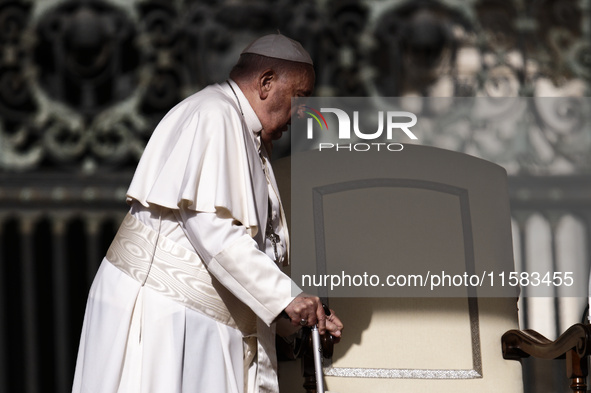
(266, 80)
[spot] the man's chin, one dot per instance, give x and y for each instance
(277, 134)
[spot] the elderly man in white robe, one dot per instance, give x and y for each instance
(190, 291)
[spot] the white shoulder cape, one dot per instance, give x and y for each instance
(200, 153)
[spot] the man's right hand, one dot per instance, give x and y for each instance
(307, 310)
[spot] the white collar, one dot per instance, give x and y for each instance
(252, 121)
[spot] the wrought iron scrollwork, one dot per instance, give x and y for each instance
(83, 83)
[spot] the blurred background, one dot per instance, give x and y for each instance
(83, 83)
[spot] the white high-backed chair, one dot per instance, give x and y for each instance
(419, 206)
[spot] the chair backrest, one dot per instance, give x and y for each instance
(421, 207)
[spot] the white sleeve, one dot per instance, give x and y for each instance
(234, 259)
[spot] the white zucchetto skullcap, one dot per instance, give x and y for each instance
(279, 47)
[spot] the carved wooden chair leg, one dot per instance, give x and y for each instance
(577, 371)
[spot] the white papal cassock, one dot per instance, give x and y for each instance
(187, 295)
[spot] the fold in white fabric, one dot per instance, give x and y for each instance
(202, 153)
(135, 340)
(238, 263)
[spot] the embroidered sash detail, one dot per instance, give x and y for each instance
(176, 272)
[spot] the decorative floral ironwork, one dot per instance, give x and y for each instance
(83, 83)
(537, 136)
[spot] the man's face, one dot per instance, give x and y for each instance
(278, 105)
